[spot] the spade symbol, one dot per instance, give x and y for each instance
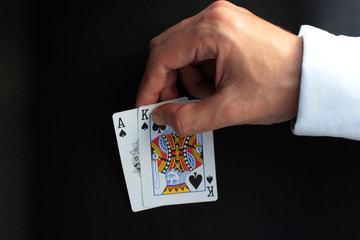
(195, 180)
(122, 133)
(158, 128)
(209, 179)
(144, 126)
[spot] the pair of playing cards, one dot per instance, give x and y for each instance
(160, 167)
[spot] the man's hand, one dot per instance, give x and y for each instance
(256, 67)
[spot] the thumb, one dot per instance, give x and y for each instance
(191, 118)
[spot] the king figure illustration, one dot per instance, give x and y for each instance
(176, 157)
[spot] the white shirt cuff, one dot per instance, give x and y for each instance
(329, 103)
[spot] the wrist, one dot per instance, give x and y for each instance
(295, 78)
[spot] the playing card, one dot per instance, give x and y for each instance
(125, 124)
(174, 169)
(126, 130)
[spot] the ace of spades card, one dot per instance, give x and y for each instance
(126, 130)
(174, 169)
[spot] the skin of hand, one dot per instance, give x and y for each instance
(255, 67)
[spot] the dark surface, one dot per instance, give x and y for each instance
(67, 66)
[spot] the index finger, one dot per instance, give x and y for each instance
(161, 69)
(178, 50)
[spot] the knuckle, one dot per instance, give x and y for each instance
(181, 126)
(154, 53)
(217, 11)
(218, 17)
(184, 22)
(178, 128)
(219, 4)
(153, 43)
(215, 15)
(224, 13)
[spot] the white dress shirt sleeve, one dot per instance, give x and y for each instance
(329, 103)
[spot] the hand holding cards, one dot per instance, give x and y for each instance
(160, 167)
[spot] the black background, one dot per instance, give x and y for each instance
(67, 66)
